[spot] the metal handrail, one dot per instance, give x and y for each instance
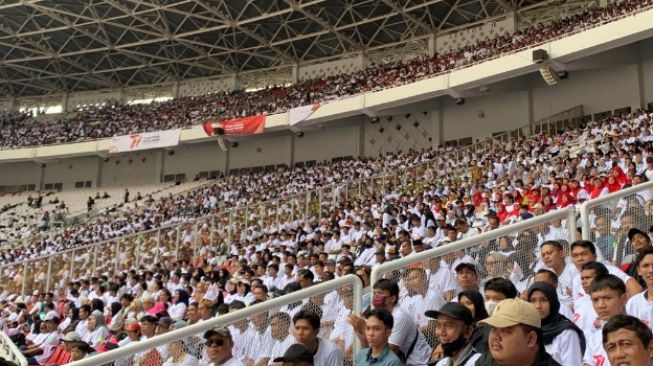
(226, 319)
(588, 205)
(569, 213)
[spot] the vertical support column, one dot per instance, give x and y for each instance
(64, 103)
(293, 138)
(640, 78)
(41, 175)
(295, 73)
(175, 89)
(226, 159)
(95, 254)
(158, 246)
(139, 244)
(441, 122)
(432, 45)
(49, 276)
(177, 242)
(22, 292)
(361, 138)
(98, 172)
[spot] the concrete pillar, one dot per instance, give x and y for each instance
(293, 137)
(432, 45)
(175, 89)
(640, 77)
(236, 81)
(295, 73)
(64, 103)
(98, 172)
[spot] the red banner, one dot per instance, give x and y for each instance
(236, 127)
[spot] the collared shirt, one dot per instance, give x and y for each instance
(386, 358)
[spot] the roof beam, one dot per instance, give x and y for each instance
(399, 10)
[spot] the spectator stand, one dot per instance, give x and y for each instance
(429, 286)
(606, 220)
(189, 239)
(348, 290)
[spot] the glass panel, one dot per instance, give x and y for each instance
(327, 202)
(127, 252)
(313, 205)
(36, 276)
(59, 270)
(148, 247)
(106, 258)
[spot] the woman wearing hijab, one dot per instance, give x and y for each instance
(115, 313)
(562, 339)
(97, 330)
(473, 300)
(179, 305)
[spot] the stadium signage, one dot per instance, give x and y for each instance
(144, 141)
(236, 127)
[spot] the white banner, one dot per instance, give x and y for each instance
(299, 114)
(144, 141)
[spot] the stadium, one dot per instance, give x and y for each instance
(326, 182)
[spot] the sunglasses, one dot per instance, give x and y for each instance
(214, 342)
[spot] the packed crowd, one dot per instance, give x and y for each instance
(117, 119)
(106, 311)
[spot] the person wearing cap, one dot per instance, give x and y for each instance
(133, 330)
(454, 326)
(608, 294)
(467, 277)
(296, 355)
(38, 352)
(515, 338)
(163, 325)
(641, 305)
(306, 327)
(378, 327)
(218, 351)
(628, 341)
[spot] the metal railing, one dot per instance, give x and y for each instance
(606, 220)
(426, 279)
(194, 238)
(349, 287)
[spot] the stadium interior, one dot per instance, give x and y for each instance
(185, 182)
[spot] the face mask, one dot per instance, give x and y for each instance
(450, 349)
(378, 301)
(490, 306)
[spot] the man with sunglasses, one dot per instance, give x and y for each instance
(218, 344)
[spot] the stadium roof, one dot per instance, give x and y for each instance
(65, 46)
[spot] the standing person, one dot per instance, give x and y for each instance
(454, 325)
(516, 336)
(378, 328)
(306, 325)
(628, 341)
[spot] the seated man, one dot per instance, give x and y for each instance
(39, 352)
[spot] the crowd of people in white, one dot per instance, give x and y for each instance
(114, 119)
(459, 309)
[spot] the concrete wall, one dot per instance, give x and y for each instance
(69, 171)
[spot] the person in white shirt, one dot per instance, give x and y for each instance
(306, 327)
(281, 337)
(553, 256)
(563, 340)
(641, 305)
(218, 344)
(608, 295)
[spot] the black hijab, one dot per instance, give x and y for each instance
(555, 323)
(476, 298)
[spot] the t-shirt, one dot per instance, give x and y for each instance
(328, 354)
(595, 353)
(578, 287)
(403, 334)
(641, 308)
(565, 348)
(386, 358)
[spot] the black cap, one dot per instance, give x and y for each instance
(632, 232)
(453, 310)
(466, 265)
(296, 353)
